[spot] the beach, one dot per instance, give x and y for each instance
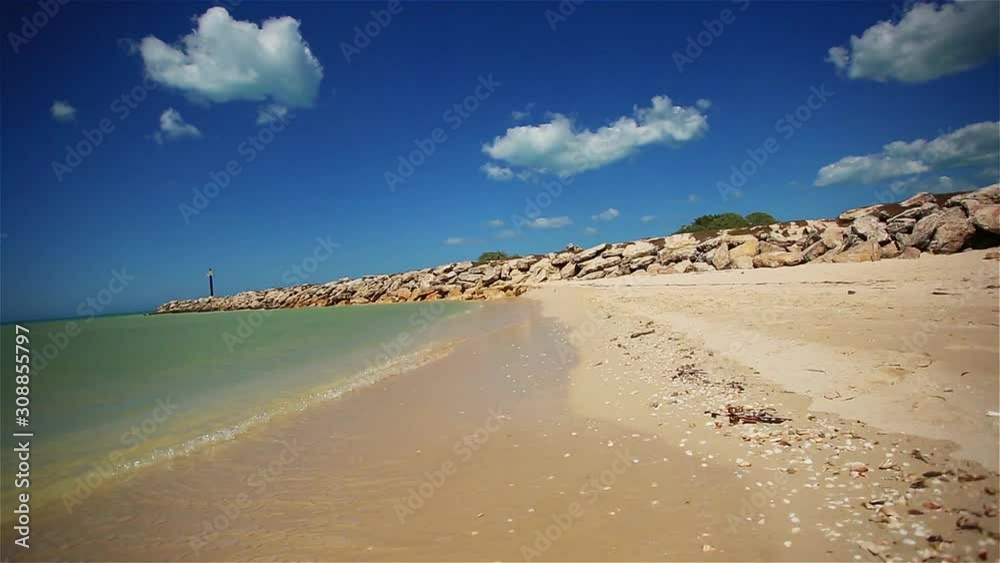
(591, 421)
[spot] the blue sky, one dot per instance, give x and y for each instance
(597, 103)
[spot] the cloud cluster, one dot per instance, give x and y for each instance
(271, 113)
(928, 42)
(62, 111)
(498, 173)
(560, 147)
(454, 241)
(549, 222)
(173, 127)
(972, 145)
(225, 59)
(609, 214)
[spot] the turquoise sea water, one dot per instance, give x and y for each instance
(128, 391)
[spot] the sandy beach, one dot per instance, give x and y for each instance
(595, 424)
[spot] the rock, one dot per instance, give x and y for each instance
(461, 267)
(868, 251)
(970, 200)
(870, 228)
(890, 251)
(669, 255)
(902, 225)
(923, 231)
(593, 275)
(986, 217)
(917, 212)
(562, 259)
(591, 252)
(656, 268)
(747, 249)
(597, 264)
(917, 199)
(910, 253)
(701, 267)
(993, 254)
(777, 259)
(741, 262)
(681, 267)
(767, 248)
(641, 262)
(814, 251)
(952, 233)
(720, 257)
(613, 251)
(572, 248)
(568, 271)
(852, 214)
(638, 249)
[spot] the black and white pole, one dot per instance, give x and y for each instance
(211, 283)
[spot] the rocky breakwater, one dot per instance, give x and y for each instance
(935, 223)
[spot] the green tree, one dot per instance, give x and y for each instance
(493, 255)
(760, 218)
(714, 222)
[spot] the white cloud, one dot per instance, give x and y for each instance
(494, 223)
(62, 111)
(928, 42)
(589, 231)
(609, 214)
(173, 127)
(559, 147)
(226, 59)
(549, 222)
(518, 115)
(703, 103)
(271, 113)
(976, 144)
(692, 198)
(498, 173)
(647, 218)
(452, 241)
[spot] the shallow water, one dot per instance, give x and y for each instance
(131, 391)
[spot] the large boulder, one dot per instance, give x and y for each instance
(870, 228)
(596, 264)
(923, 231)
(741, 262)
(777, 259)
(640, 263)
(868, 251)
(593, 275)
(568, 271)
(591, 252)
(954, 229)
(917, 199)
(676, 254)
(719, 257)
(681, 267)
(747, 249)
(971, 200)
(701, 267)
(561, 259)
(987, 217)
(638, 249)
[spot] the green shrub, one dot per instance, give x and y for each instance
(760, 218)
(493, 255)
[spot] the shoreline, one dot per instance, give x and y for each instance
(580, 428)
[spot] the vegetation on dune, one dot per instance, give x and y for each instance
(714, 222)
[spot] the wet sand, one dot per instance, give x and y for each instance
(582, 429)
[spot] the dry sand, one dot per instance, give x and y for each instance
(872, 362)
(588, 435)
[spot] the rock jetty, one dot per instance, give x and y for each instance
(935, 223)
